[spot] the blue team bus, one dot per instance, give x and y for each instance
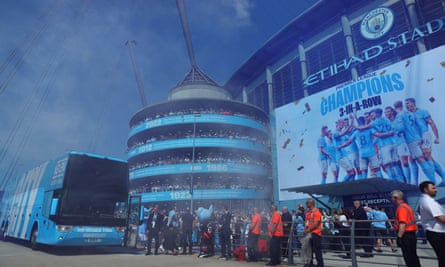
(77, 199)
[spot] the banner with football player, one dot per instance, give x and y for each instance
(387, 124)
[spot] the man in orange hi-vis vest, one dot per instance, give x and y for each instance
(254, 234)
(275, 232)
(406, 227)
(313, 226)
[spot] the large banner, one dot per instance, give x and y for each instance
(388, 124)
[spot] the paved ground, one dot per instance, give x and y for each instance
(13, 254)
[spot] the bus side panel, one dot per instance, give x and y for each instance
(52, 180)
(80, 236)
(24, 215)
(24, 201)
(16, 212)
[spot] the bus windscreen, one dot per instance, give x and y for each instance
(94, 193)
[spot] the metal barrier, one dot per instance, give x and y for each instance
(354, 246)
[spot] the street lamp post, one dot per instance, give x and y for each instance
(193, 163)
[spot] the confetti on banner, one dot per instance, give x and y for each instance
(300, 168)
(286, 143)
(407, 63)
(432, 99)
(383, 72)
(430, 79)
(301, 142)
(442, 63)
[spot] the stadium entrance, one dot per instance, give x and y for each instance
(374, 191)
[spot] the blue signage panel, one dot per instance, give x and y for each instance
(196, 142)
(380, 199)
(198, 168)
(202, 118)
(203, 194)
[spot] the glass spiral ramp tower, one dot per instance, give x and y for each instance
(200, 147)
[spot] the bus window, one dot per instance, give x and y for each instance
(120, 210)
(53, 210)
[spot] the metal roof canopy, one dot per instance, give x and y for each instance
(358, 187)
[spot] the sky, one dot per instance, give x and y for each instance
(66, 77)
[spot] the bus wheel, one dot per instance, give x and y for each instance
(4, 236)
(34, 244)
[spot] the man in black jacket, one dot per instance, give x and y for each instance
(225, 233)
(362, 229)
(154, 228)
(286, 218)
(187, 221)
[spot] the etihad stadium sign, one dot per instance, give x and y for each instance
(394, 42)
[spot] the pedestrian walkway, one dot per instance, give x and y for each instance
(384, 258)
(13, 254)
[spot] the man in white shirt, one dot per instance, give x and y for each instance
(433, 219)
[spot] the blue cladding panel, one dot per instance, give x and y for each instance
(203, 118)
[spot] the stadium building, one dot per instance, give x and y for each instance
(340, 60)
(336, 62)
(200, 148)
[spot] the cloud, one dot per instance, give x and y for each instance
(242, 9)
(224, 15)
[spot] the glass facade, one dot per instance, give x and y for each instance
(287, 83)
(429, 10)
(200, 152)
(328, 52)
(259, 97)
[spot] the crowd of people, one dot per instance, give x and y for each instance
(200, 158)
(199, 133)
(305, 231)
(252, 237)
(239, 184)
(188, 111)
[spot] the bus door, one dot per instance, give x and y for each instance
(134, 219)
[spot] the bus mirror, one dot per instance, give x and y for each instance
(54, 203)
